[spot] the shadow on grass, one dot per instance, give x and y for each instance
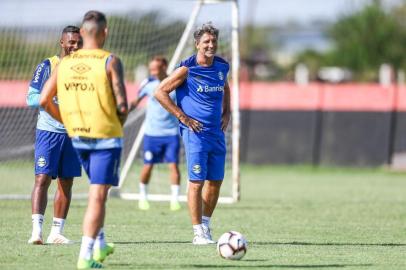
(270, 243)
(328, 244)
(287, 266)
(245, 266)
(151, 242)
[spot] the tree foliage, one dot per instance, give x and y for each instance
(364, 40)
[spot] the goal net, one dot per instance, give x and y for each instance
(136, 34)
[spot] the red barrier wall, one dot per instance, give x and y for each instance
(275, 96)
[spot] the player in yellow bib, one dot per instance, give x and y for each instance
(93, 107)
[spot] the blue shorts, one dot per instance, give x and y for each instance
(55, 155)
(102, 166)
(158, 149)
(205, 155)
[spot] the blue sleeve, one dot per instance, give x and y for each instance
(33, 97)
(144, 87)
(41, 75)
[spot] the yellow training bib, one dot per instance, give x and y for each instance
(54, 60)
(85, 97)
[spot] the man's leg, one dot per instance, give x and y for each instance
(195, 209)
(210, 197)
(195, 201)
(62, 201)
(96, 209)
(174, 173)
(175, 186)
(94, 218)
(39, 200)
(63, 197)
(145, 176)
(215, 176)
(171, 156)
(102, 167)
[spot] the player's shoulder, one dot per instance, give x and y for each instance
(53, 61)
(188, 62)
(45, 63)
(219, 61)
(42, 69)
(148, 81)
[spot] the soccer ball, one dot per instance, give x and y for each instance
(232, 245)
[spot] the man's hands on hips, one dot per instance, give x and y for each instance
(191, 123)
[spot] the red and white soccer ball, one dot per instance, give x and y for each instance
(232, 245)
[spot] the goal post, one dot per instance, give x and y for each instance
(233, 135)
(235, 54)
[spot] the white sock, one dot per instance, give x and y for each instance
(57, 225)
(100, 242)
(143, 191)
(197, 229)
(175, 192)
(206, 221)
(86, 248)
(37, 220)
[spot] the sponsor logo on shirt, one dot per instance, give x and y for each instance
(79, 86)
(38, 73)
(208, 89)
(81, 129)
(81, 68)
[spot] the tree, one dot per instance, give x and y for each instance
(364, 40)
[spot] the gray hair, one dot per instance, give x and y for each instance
(205, 28)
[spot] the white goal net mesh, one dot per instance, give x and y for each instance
(136, 34)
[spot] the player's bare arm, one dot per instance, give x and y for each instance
(226, 114)
(134, 104)
(162, 95)
(47, 96)
(116, 72)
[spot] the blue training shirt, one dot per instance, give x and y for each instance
(45, 121)
(158, 121)
(200, 96)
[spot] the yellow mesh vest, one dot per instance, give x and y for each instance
(54, 60)
(85, 97)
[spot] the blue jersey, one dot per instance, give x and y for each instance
(42, 73)
(201, 95)
(158, 121)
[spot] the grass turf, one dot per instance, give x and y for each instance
(293, 218)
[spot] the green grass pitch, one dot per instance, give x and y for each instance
(293, 218)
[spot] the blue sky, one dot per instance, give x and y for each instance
(39, 12)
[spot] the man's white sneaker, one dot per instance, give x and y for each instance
(59, 239)
(202, 240)
(207, 234)
(36, 240)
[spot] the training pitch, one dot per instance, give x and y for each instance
(293, 218)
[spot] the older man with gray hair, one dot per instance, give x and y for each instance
(203, 110)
